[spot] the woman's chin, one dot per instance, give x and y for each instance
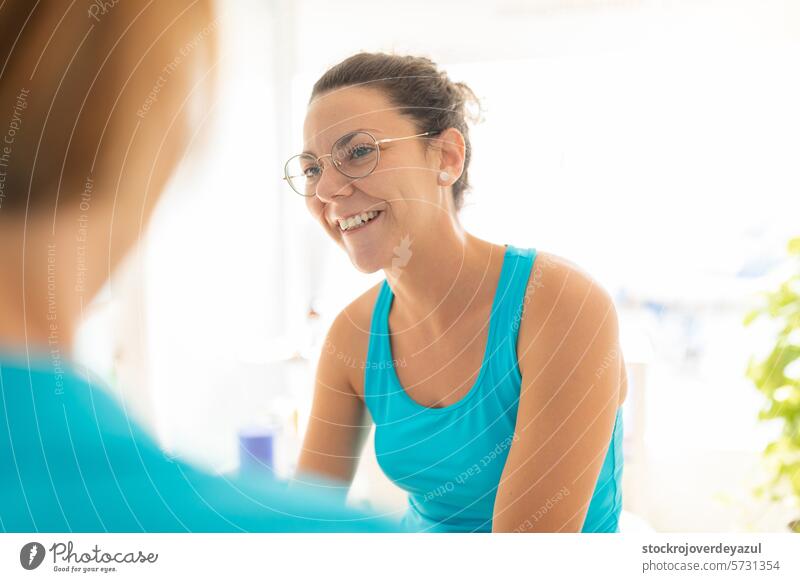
(367, 258)
(365, 262)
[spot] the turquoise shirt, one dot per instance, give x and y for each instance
(450, 459)
(71, 460)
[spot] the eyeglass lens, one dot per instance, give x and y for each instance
(355, 155)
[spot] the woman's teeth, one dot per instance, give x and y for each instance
(357, 220)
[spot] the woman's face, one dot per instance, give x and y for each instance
(403, 188)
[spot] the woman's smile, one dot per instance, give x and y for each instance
(360, 223)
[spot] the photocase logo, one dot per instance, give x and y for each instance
(402, 254)
(32, 555)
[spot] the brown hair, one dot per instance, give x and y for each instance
(418, 89)
(74, 85)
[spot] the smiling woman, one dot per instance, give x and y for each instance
(501, 420)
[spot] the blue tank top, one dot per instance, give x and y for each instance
(449, 460)
(73, 460)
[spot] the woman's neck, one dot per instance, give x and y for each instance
(45, 282)
(29, 306)
(450, 277)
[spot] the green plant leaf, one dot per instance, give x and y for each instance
(751, 316)
(782, 393)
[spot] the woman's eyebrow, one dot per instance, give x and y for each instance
(344, 134)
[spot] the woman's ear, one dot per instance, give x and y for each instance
(452, 152)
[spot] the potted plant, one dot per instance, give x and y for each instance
(778, 378)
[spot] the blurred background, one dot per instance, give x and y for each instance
(654, 141)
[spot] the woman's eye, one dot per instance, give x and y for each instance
(360, 151)
(311, 172)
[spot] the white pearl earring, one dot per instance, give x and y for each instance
(444, 176)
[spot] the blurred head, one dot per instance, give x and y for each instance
(97, 101)
(418, 185)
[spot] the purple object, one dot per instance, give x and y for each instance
(257, 452)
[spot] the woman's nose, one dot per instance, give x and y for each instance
(332, 183)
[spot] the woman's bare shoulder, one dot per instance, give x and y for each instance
(556, 266)
(553, 276)
(556, 290)
(356, 318)
(563, 300)
(350, 333)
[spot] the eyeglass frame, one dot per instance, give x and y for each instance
(336, 164)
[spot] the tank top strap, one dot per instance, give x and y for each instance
(380, 312)
(513, 291)
(376, 384)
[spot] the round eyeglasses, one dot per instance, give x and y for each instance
(355, 155)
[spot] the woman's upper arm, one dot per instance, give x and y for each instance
(569, 395)
(338, 422)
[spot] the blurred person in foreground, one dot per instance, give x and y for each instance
(97, 107)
